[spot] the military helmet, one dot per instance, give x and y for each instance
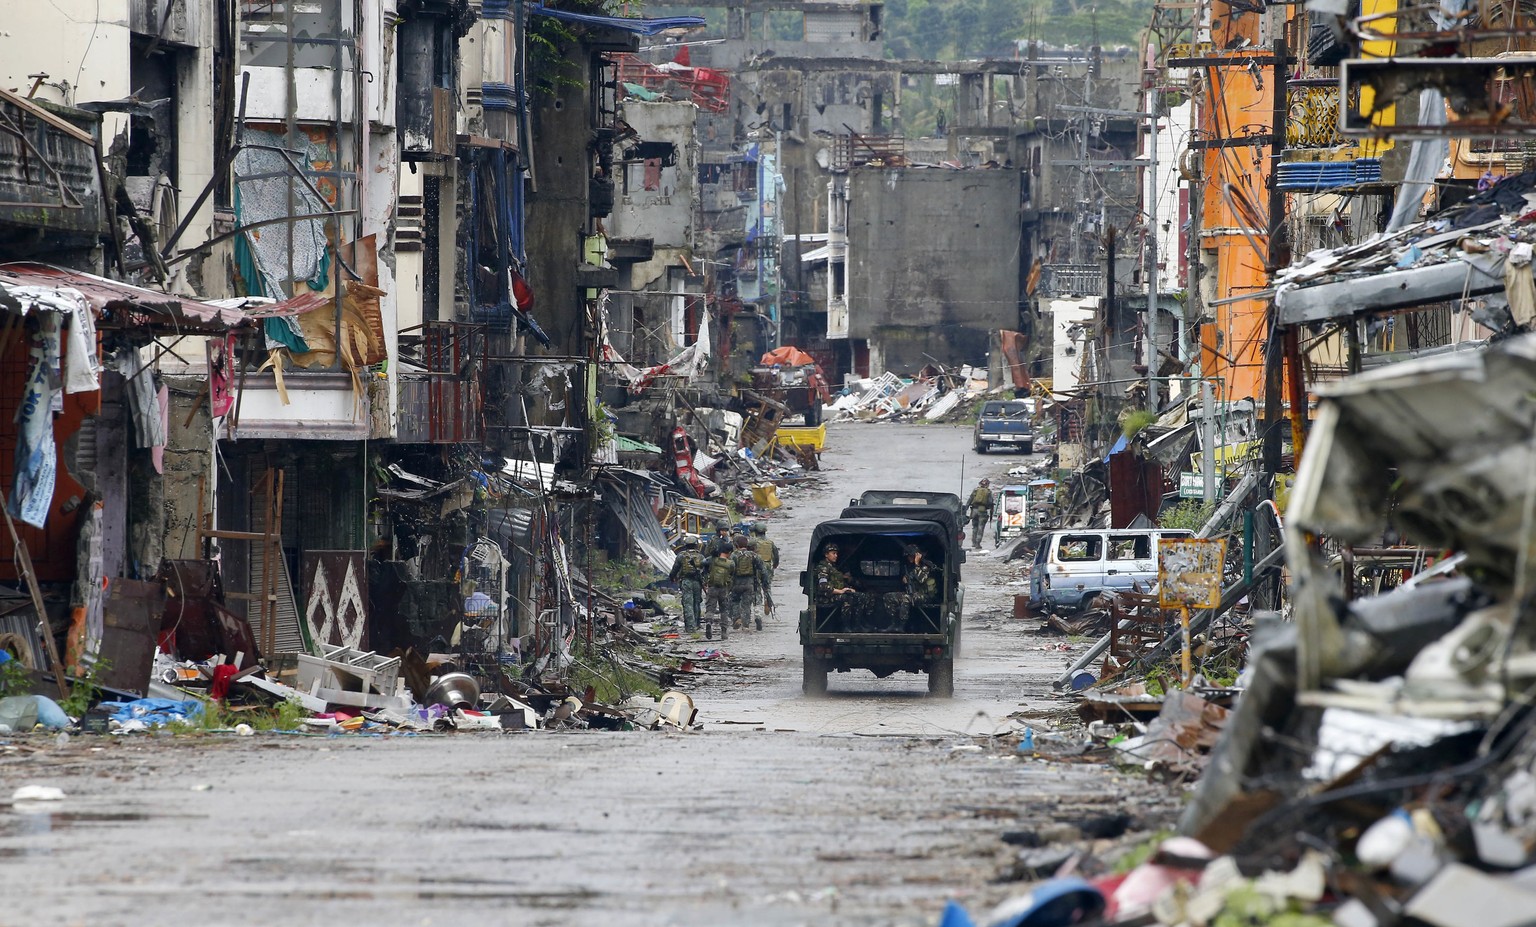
(829, 549)
(985, 481)
(759, 528)
(690, 543)
(722, 525)
(911, 549)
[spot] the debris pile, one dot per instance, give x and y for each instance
(1374, 763)
(935, 395)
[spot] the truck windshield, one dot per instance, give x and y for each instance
(1005, 410)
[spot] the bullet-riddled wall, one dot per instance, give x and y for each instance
(933, 258)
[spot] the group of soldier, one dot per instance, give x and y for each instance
(919, 586)
(723, 579)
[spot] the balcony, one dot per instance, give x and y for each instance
(1071, 280)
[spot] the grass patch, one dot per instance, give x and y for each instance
(609, 679)
(616, 576)
(217, 717)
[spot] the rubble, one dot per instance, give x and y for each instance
(936, 395)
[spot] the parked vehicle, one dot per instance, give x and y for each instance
(1073, 566)
(1006, 422)
(1012, 516)
(874, 628)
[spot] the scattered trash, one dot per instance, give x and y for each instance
(38, 793)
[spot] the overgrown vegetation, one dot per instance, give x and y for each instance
(1189, 514)
(85, 689)
(14, 679)
(288, 715)
(609, 679)
(616, 576)
(1135, 421)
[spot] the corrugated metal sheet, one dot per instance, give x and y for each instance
(105, 294)
(632, 505)
(289, 638)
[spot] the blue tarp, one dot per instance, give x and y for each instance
(639, 26)
(154, 712)
(1120, 445)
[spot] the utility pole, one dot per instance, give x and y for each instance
(1150, 193)
(1274, 353)
(1152, 282)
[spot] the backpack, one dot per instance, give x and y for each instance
(765, 550)
(693, 565)
(719, 571)
(741, 563)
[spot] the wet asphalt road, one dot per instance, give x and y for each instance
(853, 809)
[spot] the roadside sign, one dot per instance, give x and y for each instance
(1191, 486)
(1189, 576)
(1189, 572)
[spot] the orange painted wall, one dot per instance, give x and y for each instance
(1235, 218)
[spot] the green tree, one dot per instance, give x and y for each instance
(965, 33)
(930, 32)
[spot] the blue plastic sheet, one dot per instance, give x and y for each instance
(154, 712)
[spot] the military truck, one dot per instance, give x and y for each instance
(877, 628)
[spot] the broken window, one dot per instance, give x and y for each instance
(1136, 548)
(1080, 548)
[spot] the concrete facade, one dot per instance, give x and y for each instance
(933, 263)
(652, 231)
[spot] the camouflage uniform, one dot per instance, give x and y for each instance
(980, 506)
(919, 587)
(688, 573)
(768, 552)
(749, 578)
(717, 587)
(855, 605)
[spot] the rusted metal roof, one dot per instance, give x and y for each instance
(105, 295)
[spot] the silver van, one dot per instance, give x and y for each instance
(1073, 566)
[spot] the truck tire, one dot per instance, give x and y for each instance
(981, 447)
(814, 679)
(1029, 448)
(941, 678)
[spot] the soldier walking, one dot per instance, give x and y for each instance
(688, 573)
(767, 551)
(717, 589)
(979, 506)
(748, 578)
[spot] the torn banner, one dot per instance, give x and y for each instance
(36, 456)
(685, 363)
